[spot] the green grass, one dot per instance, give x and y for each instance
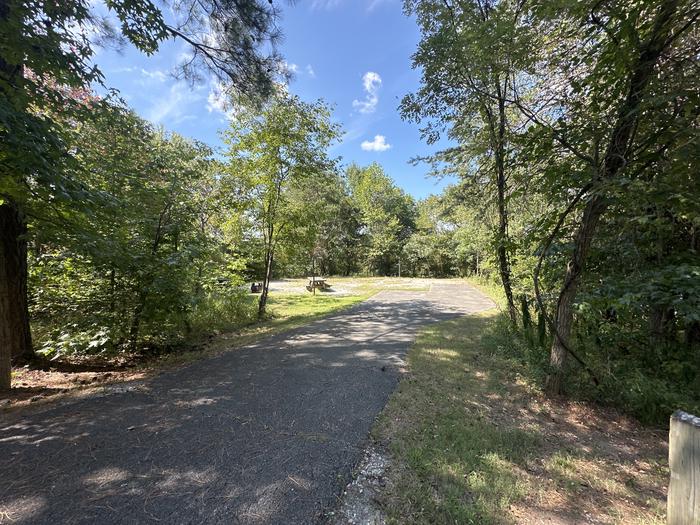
(289, 309)
(493, 289)
(460, 467)
(473, 441)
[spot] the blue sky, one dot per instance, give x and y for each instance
(355, 54)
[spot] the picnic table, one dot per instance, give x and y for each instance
(317, 282)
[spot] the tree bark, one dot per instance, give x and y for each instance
(262, 304)
(692, 334)
(563, 320)
(502, 185)
(614, 161)
(15, 334)
(148, 282)
(136, 320)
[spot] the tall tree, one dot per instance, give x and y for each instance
(471, 54)
(600, 100)
(46, 67)
(271, 151)
(388, 216)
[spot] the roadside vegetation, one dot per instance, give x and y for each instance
(473, 439)
(571, 138)
(289, 306)
(570, 132)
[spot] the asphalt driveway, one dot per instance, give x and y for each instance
(265, 434)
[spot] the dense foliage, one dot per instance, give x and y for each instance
(47, 73)
(590, 109)
(144, 262)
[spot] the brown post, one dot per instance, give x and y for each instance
(684, 460)
(313, 276)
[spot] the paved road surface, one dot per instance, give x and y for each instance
(265, 434)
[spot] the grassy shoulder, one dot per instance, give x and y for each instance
(286, 312)
(472, 441)
(289, 306)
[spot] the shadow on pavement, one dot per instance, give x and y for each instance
(265, 434)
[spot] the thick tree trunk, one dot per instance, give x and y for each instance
(614, 161)
(564, 314)
(15, 334)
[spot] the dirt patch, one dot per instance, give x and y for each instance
(33, 385)
(595, 465)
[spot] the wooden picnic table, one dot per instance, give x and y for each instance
(317, 282)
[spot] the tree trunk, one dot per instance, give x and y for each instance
(262, 304)
(136, 320)
(502, 185)
(614, 161)
(112, 291)
(564, 314)
(692, 334)
(661, 324)
(15, 334)
(313, 276)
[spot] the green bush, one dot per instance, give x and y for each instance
(218, 311)
(649, 389)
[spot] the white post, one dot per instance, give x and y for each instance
(684, 460)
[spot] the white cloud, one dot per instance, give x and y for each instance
(173, 105)
(156, 74)
(310, 71)
(291, 67)
(371, 82)
(378, 144)
(125, 69)
(185, 55)
(216, 101)
(325, 4)
(219, 100)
